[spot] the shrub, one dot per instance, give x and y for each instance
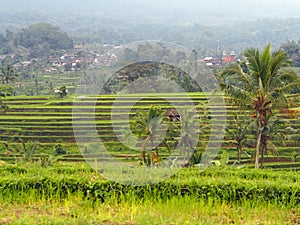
(59, 150)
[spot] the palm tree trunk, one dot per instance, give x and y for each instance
(143, 155)
(239, 154)
(262, 157)
(168, 146)
(151, 159)
(5, 90)
(258, 145)
(263, 149)
(156, 150)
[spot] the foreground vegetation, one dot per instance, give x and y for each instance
(73, 193)
(174, 211)
(36, 183)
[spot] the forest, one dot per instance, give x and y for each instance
(210, 31)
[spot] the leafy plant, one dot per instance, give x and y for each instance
(45, 160)
(238, 134)
(189, 130)
(59, 150)
(28, 150)
(7, 75)
(272, 135)
(62, 91)
(195, 158)
(146, 125)
(3, 107)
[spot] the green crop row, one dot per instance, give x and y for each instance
(78, 114)
(222, 186)
(52, 128)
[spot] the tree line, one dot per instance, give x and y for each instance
(37, 40)
(206, 38)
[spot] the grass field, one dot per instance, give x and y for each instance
(73, 193)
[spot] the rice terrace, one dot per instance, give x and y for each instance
(46, 178)
(74, 193)
(101, 128)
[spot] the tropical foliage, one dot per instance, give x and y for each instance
(239, 135)
(189, 134)
(28, 149)
(262, 87)
(147, 125)
(273, 135)
(7, 76)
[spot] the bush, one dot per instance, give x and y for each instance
(59, 150)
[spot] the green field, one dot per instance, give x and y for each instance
(73, 193)
(64, 189)
(51, 121)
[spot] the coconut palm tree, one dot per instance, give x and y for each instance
(262, 86)
(3, 107)
(273, 135)
(238, 135)
(7, 75)
(146, 125)
(189, 128)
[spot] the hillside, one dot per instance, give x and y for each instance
(65, 121)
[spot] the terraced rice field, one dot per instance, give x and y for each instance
(52, 120)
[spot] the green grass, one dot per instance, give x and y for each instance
(72, 193)
(183, 211)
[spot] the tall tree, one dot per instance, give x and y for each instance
(7, 75)
(3, 107)
(146, 125)
(262, 87)
(238, 135)
(272, 135)
(189, 128)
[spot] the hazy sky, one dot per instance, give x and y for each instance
(263, 8)
(176, 8)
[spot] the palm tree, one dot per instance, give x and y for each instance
(7, 75)
(273, 135)
(190, 130)
(262, 86)
(146, 124)
(3, 107)
(238, 135)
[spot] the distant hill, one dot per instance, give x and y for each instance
(210, 27)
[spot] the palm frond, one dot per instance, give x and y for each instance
(235, 74)
(279, 60)
(265, 66)
(252, 56)
(288, 87)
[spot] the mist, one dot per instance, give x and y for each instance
(162, 10)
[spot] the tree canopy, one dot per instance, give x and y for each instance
(42, 38)
(292, 48)
(261, 84)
